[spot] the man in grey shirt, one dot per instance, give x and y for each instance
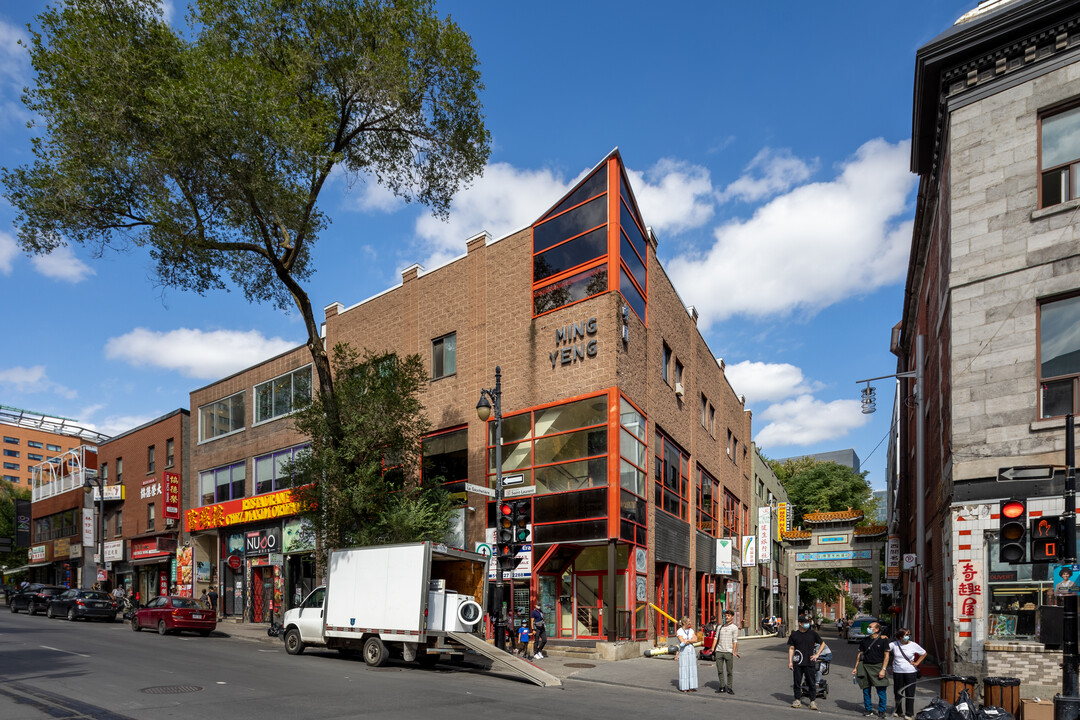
(727, 648)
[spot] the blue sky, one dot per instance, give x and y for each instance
(768, 147)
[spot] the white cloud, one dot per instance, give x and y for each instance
(765, 382)
(116, 424)
(195, 353)
(33, 380)
(61, 264)
(14, 58)
(806, 420)
(503, 200)
(769, 173)
(814, 246)
(674, 196)
(8, 250)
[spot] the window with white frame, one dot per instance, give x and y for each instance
(223, 483)
(1059, 157)
(283, 394)
(270, 469)
(170, 446)
(221, 417)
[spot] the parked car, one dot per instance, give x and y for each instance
(89, 604)
(169, 613)
(34, 598)
(858, 628)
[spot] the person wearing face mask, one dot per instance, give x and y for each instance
(869, 670)
(905, 654)
(804, 645)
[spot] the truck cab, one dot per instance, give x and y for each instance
(305, 623)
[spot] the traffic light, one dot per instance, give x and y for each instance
(519, 523)
(1012, 540)
(1046, 539)
(504, 524)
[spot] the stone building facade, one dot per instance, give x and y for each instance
(991, 300)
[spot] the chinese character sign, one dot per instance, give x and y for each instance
(764, 550)
(892, 557)
(969, 589)
(171, 483)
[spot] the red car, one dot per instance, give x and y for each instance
(169, 613)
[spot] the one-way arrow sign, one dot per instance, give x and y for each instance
(1028, 472)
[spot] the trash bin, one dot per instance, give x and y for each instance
(1002, 692)
(953, 685)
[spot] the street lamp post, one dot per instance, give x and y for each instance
(493, 398)
(88, 486)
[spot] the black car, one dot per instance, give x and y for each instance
(75, 604)
(34, 598)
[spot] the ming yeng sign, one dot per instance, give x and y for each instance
(242, 511)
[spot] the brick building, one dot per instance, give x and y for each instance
(52, 456)
(989, 318)
(239, 512)
(627, 437)
(142, 524)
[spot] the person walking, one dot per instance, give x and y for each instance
(727, 648)
(212, 597)
(869, 670)
(687, 656)
(539, 631)
(905, 655)
(804, 644)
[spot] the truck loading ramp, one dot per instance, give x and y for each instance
(516, 665)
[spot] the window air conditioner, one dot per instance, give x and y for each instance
(679, 390)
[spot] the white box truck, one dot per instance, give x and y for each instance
(407, 599)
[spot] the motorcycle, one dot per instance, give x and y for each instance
(127, 608)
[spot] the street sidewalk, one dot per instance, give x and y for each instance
(761, 674)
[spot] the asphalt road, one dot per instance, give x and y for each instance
(104, 671)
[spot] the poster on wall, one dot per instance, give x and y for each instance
(1065, 580)
(764, 534)
(749, 546)
(723, 556)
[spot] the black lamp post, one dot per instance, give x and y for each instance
(88, 486)
(483, 411)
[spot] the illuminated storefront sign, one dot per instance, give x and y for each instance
(242, 511)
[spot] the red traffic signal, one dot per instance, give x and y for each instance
(1012, 536)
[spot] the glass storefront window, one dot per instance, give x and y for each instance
(571, 476)
(583, 413)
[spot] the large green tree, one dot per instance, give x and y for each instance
(367, 488)
(8, 495)
(816, 486)
(210, 148)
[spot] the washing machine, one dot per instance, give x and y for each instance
(463, 613)
(437, 610)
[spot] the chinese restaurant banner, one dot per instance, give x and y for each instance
(171, 483)
(240, 512)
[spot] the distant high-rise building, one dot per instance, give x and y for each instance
(883, 506)
(840, 457)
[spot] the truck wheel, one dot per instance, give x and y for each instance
(375, 653)
(293, 644)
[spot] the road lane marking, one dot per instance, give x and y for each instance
(69, 652)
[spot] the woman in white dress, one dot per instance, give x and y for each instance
(687, 655)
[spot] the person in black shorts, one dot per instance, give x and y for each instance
(804, 644)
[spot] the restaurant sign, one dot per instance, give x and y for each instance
(242, 511)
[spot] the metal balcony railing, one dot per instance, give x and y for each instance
(64, 472)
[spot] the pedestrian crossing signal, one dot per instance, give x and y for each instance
(1046, 539)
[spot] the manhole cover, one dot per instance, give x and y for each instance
(580, 665)
(171, 689)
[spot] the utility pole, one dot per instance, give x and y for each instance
(1067, 704)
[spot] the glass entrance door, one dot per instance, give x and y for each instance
(589, 599)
